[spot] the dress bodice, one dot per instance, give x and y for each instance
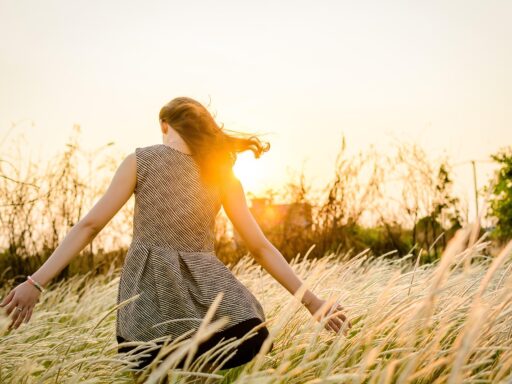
(172, 206)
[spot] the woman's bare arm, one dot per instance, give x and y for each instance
(269, 257)
(83, 232)
(25, 296)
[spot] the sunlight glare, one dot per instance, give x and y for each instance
(249, 171)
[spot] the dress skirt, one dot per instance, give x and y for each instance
(244, 352)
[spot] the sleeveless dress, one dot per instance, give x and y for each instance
(171, 262)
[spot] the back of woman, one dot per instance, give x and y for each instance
(172, 206)
(171, 262)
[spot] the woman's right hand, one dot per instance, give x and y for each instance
(319, 308)
(24, 296)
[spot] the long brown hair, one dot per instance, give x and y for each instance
(213, 149)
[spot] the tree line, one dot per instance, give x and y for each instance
(390, 204)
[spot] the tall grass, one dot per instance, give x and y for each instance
(445, 322)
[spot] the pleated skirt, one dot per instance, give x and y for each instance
(176, 289)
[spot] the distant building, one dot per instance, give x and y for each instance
(279, 218)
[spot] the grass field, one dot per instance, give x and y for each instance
(448, 322)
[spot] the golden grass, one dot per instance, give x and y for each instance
(449, 322)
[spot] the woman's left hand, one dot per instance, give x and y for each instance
(24, 296)
(319, 308)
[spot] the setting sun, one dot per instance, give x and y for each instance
(250, 171)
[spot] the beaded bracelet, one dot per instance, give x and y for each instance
(35, 283)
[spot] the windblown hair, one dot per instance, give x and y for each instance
(213, 149)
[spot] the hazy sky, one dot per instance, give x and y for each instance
(434, 72)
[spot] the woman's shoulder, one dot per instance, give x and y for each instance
(149, 150)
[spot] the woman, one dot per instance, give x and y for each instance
(179, 187)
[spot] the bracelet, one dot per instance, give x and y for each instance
(35, 284)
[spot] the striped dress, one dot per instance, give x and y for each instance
(171, 263)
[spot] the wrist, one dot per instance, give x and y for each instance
(309, 299)
(33, 286)
(30, 280)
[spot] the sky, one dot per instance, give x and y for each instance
(303, 73)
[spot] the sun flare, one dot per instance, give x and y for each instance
(249, 171)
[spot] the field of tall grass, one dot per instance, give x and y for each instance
(445, 322)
